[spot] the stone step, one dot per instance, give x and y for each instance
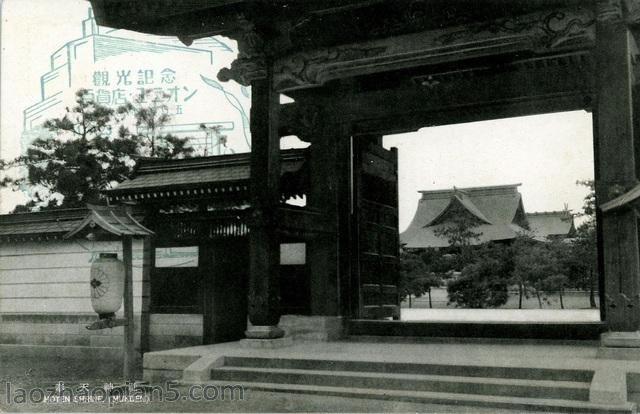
(541, 389)
(421, 397)
(414, 368)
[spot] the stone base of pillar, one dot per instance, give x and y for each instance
(265, 343)
(619, 345)
(264, 332)
(313, 328)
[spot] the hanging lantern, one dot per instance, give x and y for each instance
(107, 285)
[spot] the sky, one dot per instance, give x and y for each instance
(545, 153)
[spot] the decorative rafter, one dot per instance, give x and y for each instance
(557, 30)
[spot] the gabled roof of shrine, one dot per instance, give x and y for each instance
(549, 224)
(213, 176)
(45, 225)
(110, 220)
(498, 209)
(55, 224)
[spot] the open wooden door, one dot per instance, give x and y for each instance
(376, 229)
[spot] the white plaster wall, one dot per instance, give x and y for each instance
(53, 276)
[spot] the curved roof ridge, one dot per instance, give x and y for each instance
(472, 190)
(424, 214)
(550, 213)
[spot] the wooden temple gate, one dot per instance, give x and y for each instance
(359, 69)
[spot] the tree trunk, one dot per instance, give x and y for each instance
(592, 291)
(561, 303)
(409, 300)
(521, 293)
(430, 304)
(539, 300)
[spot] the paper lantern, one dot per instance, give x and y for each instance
(107, 285)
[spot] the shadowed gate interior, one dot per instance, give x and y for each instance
(214, 284)
(224, 290)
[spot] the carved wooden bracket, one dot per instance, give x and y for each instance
(251, 63)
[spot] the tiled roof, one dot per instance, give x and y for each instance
(487, 232)
(465, 203)
(198, 173)
(180, 178)
(497, 208)
(548, 224)
(116, 221)
(55, 224)
(47, 224)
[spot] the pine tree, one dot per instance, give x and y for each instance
(90, 149)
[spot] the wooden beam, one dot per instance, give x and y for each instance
(628, 200)
(401, 123)
(548, 31)
(186, 20)
(523, 88)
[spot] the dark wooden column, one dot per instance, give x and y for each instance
(329, 142)
(129, 328)
(254, 67)
(148, 263)
(264, 246)
(613, 127)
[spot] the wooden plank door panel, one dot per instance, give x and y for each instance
(376, 233)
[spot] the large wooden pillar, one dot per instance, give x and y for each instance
(613, 126)
(254, 67)
(264, 246)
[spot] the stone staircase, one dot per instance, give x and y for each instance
(517, 388)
